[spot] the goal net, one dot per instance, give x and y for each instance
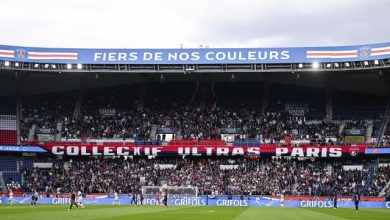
(174, 192)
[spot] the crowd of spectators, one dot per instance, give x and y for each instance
(118, 114)
(13, 185)
(46, 111)
(194, 122)
(212, 176)
(386, 137)
(320, 179)
(382, 176)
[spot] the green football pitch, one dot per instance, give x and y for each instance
(59, 212)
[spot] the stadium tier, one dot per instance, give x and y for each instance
(238, 118)
(210, 176)
(236, 122)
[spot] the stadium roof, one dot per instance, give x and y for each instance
(251, 59)
(360, 68)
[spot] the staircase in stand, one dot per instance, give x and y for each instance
(384, 190)
(31, 133)
(370, 126)
(371, 171)
(79, 102)
(383, 127)
(2, 183)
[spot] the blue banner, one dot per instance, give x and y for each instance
(22, 149)
(196, 56)
(384, 150)
(207, 201)
(230, 130)
(166, 130)
(355, 132)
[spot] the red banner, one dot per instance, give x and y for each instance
(174, 150)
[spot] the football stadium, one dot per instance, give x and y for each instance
(195, 133)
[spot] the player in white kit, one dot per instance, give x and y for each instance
(282, 200)
(116, 199)
(11, 197)
(80, 199)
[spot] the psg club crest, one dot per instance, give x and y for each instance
(353, 151)
(364, 52)
(21, 53)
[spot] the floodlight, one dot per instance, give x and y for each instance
(316, 65)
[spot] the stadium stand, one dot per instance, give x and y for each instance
(212, 176)
(114, 115)
(201, 114)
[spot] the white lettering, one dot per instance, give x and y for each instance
(156, 150)
(280, 151)
(58, 150)
(237, 151)
(112, 56)
(137, 151)
(251, 55)
(316, 204)
(60, 201)
(148, 56)
(133, 56)
(254, 150)
(97, 56)
(120, 151)
(209, 151)
(285, 55)
(220, 55)
(84, 151)
(172, 56)
(108, 151)
(222, 151)
(158, 56)
(195, 152)
(184, 151)
(72, 150)
(312, 152)
(195, 56)
(274, 55)
(297, 152)
(184, 56)
(209, 56)
(335, 152)
(147, 151)
(223, 202)
(95, 151)
(122, 56)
